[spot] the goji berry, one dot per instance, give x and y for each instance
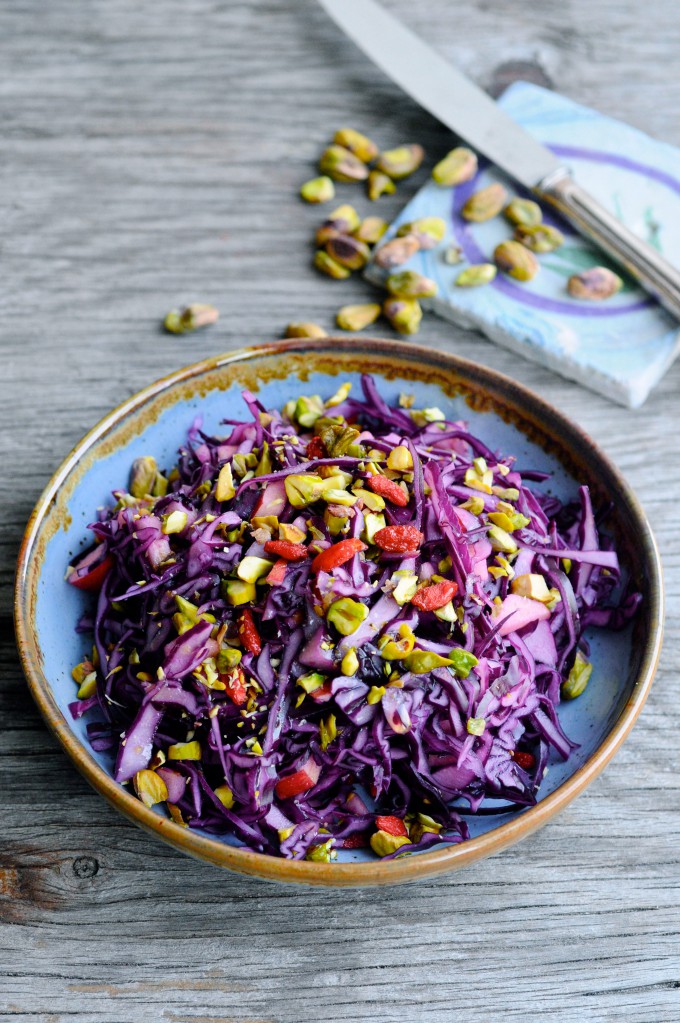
(388, 489)
(315, 448)
(398, 539)
(392, 826)
(524, 760)
(357, 840)
(286, 550)
(235, 686)
(431, 598)
(337, 555)
(247, 630)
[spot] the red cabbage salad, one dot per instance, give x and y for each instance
(342, 625)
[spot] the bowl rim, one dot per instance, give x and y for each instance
(378, 872)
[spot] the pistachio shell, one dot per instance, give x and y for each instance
(476, 275)
(594, 284)
(379, 184)
(318, 190)
(396, 252)
(342, 165)
(523, 212)
(539, 237)
(410, 284)
(348, 251)
(362, 147)
(457, 166)
(400, 162)
(305, 330)
(404, 314)
(485, 204)
(327, 265)
(516, 261)
(356, 317)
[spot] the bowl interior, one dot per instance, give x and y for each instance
(158, 425)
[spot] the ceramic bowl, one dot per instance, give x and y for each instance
(508, 418)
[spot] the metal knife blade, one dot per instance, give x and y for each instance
(443, 90)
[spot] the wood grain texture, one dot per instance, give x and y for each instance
(150, 156)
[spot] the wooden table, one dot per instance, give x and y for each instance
(151, 155)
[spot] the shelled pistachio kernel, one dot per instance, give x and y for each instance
(539, 237)
(410, 284)
(396, 252)
(452, 255)
(476, 275)
(327, 265)
(192, 317)
(485, 204)
(305, 329)
(143, 474)
(404, 314)
(402, 161)
(458, 166)
(523, 212)
(348, 251)
(595, 284)
(429, 231)
(357, 317)
(370, 230)
(342, 165)
(362, 147)
(378, 184)
(318, 190)
(516, 261)
(343, 220)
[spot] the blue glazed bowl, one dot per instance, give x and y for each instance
(506, 416)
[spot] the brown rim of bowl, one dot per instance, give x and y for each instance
(378, 872)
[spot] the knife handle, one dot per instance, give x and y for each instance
(648, 266)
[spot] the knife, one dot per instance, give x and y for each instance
(465, 108)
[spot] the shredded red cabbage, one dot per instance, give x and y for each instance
(342, 624)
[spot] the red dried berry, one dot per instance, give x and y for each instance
(392, 826)
(286, 549)
(247, 630)
(235, 686)
(337, 555)
(431, 598)
(388, 489)
(398, 539)
(357, 840)
(524, 760)
(315, 448)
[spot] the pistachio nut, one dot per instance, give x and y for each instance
(379, 184)
(227, 659)
(356, 317)
(516, 261)
(476, 275)
(384, 844)
(539, 237)
(287, 531)
(339, 440)
(462, 662)
(238, 591)
(457, 166)
(308, 408)
(392, 649)
(225, 796)
(396, 252)
(400, 459)
(252, 568)
(410, 284)
(340, 395)
(328, 731)
(317, 190)
(175, 522)
(341, 164)
(311, 682)
(523, 212)
(373, 522)
(348, 251)
(578, 677)
(225, 490)
(594, 284)
(362, 147)
(182, 321)
(346, 615)
(370, 230)
(143, 476)
(429, 231)
(323, 853)
(452, 255)
(350, 662)
(305, 329)
(400, 162)
(420, 662)
(327, 265)
(485, 204)
(185, 751)
(476, 726)
(150, 787)
(375, 695)
(303, 490)
(343, 220)
(404, 314)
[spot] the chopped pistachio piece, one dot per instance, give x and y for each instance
(375, 694)
(323, 853)
(185, 751)
(357, 317)
(340, 395)
(420, 662)
(362, 147)
(318, 190)
(462, 662)
(476, 726)
(578, 677)
(308, 410)
(252, 568)
(501, 540)
(225, 796)
(175, 522)
(327, 731)
(350, 662)
(304, 329)
(383, 844)
(400, 459)
(143, 476)
(373, 522)
(238, 591)
(310, 682)
(379, 184)
(346, 615)
(225, 489)
(150, 787)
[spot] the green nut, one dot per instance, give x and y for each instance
(462, 662)
(238, 591)
(400, 162)
(396, 252)
(343, 220)
(190, 318)
(339, 440)
(420, 662)
(594, 284)
(224, 489)
(311, 682)
(523, 212)
(452, 255)
(430, 231)
(308, 410)
(516, 261)
(342, 165)
(485, 204)
(379, 184)
(227, 658)
(370, 230)
(327, 265)
(303, 490)
(362, 147)
(410, 284)
(457, 166)
(578, 677)
(357, 317)
(540, 237)
(476, 726)
(328, 730)
(404, 314)
(323, 853)
(350, 662)
(476, 275)
(384, 844)
(348, 251)
(373, 522)
(143, 476)
(346, 615)
(305, 329)
(318, 190)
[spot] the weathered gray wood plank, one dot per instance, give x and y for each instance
(150, 156)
